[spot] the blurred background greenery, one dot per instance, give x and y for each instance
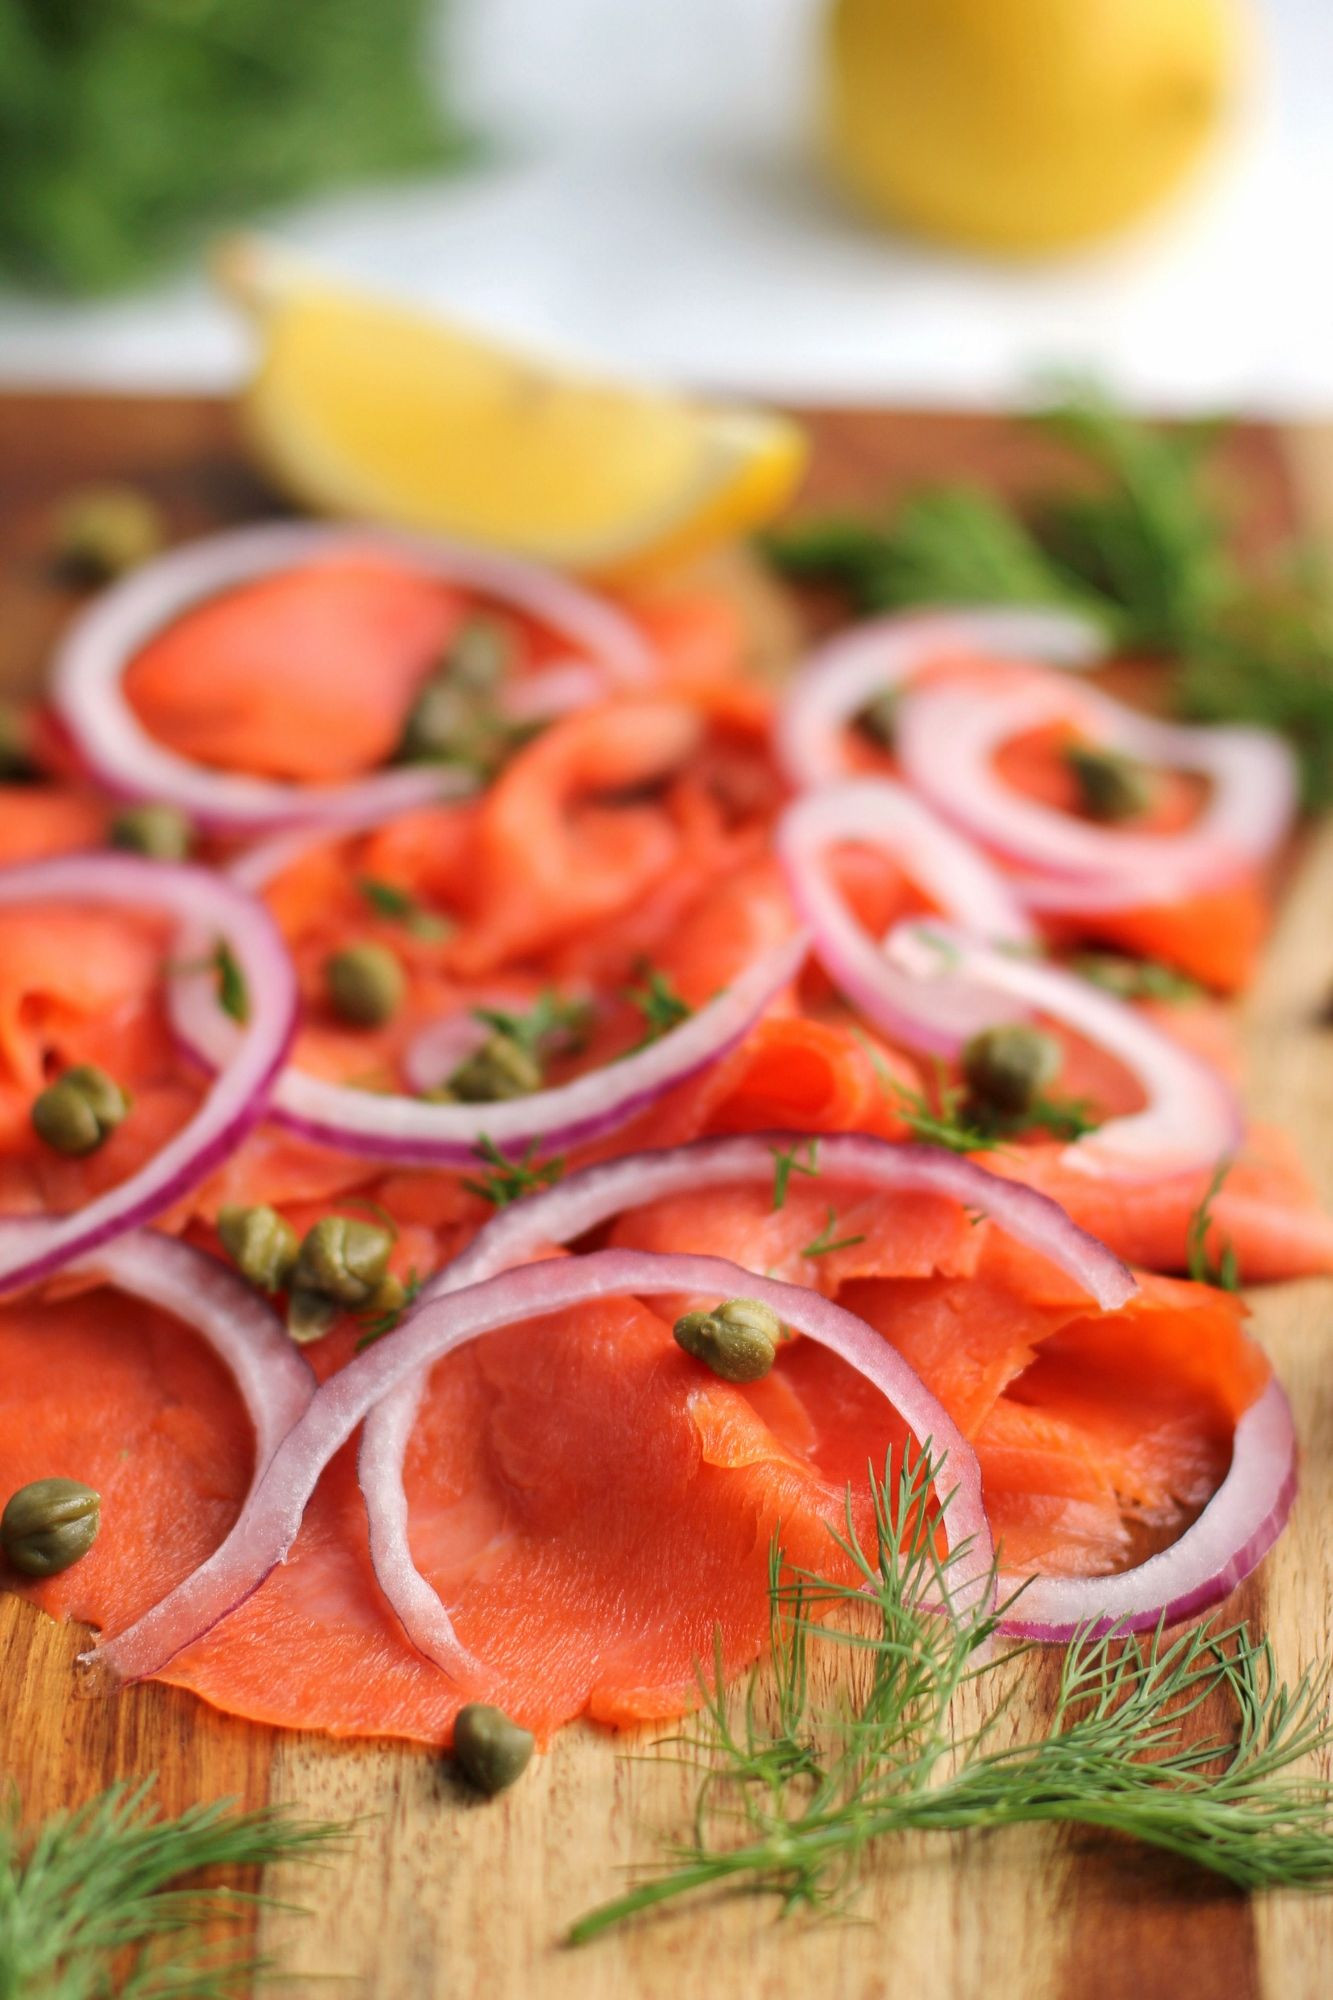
(128, 127)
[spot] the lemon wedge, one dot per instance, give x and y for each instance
(359, 407)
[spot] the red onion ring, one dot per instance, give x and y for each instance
(876, 813)
(271, 1519)
(273, 1377)
(582, 1201)
(32, 1247)
(406, 1130)
(1232, 1535)
(87, 688)
(839, 679)
(948, 738)
(1192, 1118)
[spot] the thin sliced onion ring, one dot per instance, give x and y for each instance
(409, 1131)
(270, 1521)
(1192, 1118)
(837, 681)
(561, 1214)
(949, 737)
(1232, 1535)
(87, 689)
(32, 1247)
(272, 1376)
(877, 813)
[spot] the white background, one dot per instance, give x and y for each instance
(651, 204)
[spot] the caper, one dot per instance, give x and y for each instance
(879, 718)
(261, 1243)
(310, 1315)
(365, 984)
(1007, 1068)
(449, 724)
(491, 1751)
(1111, 785)
(501, 1068)
(479, 654)
(77, 1112)
(343, 1260)
(48, 1525)
(159, 831)
(103, 531)
(738, 1340)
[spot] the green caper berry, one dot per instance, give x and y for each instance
(389, 1295)
(159, 831)
(1111, 786)
(310, 1315)
(501, 1068)
(343, 1259)
(261, 1243)
(478, 655)
(491, 1751)
(738, 1340)
(1007, 1068)
(366, 984)
(879, 718)
(449, 724)
(105, 530)
(77, 1112)
(47, 1526)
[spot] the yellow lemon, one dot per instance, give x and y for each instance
(1022, 126)
(362, 408)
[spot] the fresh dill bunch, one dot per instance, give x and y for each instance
(796, 1791)
(88, 1907)
(1142, 539)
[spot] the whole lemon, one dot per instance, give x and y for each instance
(1023, 126)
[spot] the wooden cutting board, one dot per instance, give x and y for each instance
(443, 1897)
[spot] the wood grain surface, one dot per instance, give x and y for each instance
(446, 1898)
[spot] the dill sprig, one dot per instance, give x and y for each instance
(796, 1791)
(550, 1019)
(1145, 542)
(509, 1180)
(88, 1906)
(787, 1161)
(951, 1117)
(827, 1241)
(659, 1003)
(1136, 978)
(1223, 1268)
(400, 906)
(232, 996)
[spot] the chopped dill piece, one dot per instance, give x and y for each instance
(1222, 1270)
(400, 906)
(509, 1179)
(1136, 978)
(550, 1018)
(787, 1161)
(827, 1242)
(232, 996)
(660, 1005)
